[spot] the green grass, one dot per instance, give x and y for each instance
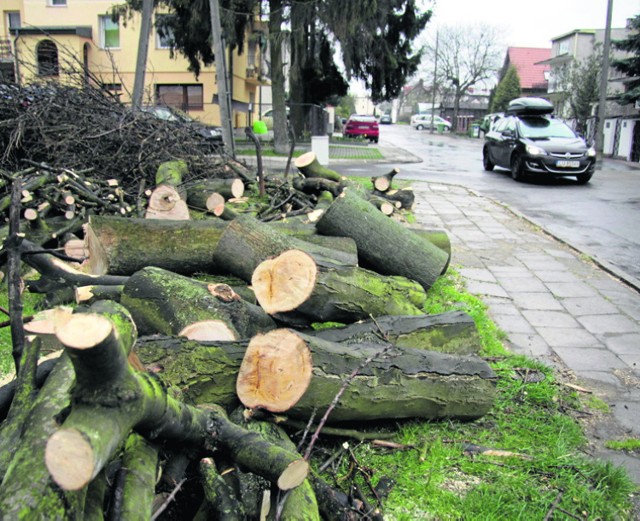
(436, 480)
(628, 445)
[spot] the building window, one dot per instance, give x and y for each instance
(184, 97)
(47, 54)
(109, 33)
(164, 34)
(13, 20)
(58, 2)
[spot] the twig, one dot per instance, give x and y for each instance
(554, 506)
(12, 245)
(169, 499)
(341, 391)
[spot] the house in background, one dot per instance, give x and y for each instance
(534, 76)
(622, 123)
(75, 41)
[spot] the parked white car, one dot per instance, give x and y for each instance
(422, 121)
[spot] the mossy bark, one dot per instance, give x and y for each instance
(139, 462)
(453, 332)
(164, 302)
(247, 242)
(383, 243)
(219, 494)
(123, 246)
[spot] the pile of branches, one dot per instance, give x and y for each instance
(89, 129)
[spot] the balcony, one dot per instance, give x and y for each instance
(6, 55)
(255, 76)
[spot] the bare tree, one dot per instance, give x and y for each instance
(467, 55)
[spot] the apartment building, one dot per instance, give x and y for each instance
(75, 41)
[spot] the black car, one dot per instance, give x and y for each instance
(528, 140)
(211, 133)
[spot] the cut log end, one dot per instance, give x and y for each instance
(305, 159)
(208, 330)
(275, 371)
(84, 331)
(293, 475)
(47, 322)
(284, 283)
(69, 459)
(213, 201)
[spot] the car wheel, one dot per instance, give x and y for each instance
(517, 168)
(583, 179)
(375, 140)
(486, 160)
(419, 127)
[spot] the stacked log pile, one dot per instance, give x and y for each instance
(202, 375)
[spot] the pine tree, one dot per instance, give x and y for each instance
(631, 64)
(508, 88)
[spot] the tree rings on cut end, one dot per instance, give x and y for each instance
(84, 331)
(275, 371)
(208, 330)
(285, 282)
(69, 459)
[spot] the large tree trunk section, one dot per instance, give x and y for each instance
(383, 243)
(390, 382)
(310, 167)
(247, 242)
(123, 246)
(454, 332)
(294, 281)
(164, 302)
(165, 202)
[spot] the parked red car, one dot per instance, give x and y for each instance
(359, 125)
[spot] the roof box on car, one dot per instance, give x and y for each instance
(529, 106)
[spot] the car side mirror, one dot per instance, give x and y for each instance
(508, 133)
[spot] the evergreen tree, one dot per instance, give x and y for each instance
(631, 64)
(508, 88)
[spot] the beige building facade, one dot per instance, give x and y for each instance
(75, 41)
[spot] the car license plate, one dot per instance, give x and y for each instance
(567, 164)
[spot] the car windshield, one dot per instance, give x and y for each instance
(541, 128)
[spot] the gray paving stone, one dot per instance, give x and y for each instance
(521, 284)
(529, 344)
(481, 275)
(485, 288)
(540, 301)
(624, 344)
(589, 359)
(633, 361)
(515, 269)
(571, 337)
(549, 318)
(569, 289)
(579, 306)
(608, 324)
(512, 323)
(557, 276)
(598, 376)
(627, 413)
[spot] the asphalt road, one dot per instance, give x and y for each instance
(601, 219)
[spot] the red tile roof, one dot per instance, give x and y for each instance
(524, 59)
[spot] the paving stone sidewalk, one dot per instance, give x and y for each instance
(554, 305)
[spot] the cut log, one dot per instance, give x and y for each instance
(317, 185)
(123, 246)
(205, 202)
(408, 383)
(274, 354)
(172, 173)
(405, 197)
(382, 183)
(139, 464)
(384, 244)
(247, 242)
(220, 496)
(164, 302)
(166, 203)
(309, 166)
(294, 281)
(454, 332)
(227, 188)
(224, 212)
(90, 294)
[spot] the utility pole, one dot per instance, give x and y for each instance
(604, 78)
(221, 78)
(143, 50)
(435, 70)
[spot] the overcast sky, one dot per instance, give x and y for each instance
(532, 23)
